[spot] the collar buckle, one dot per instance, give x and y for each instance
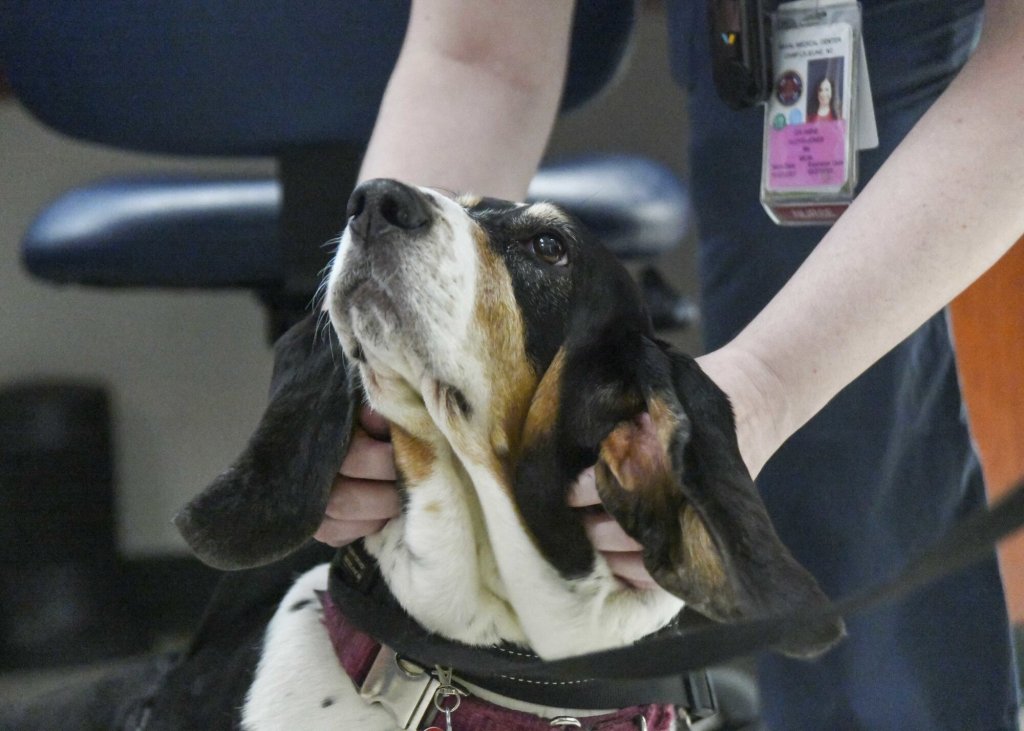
(403, 689)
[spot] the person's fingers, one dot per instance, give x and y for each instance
(583, 493)
(629, 567)
(607, 535)
(368, 458)
(354, 499)
(363, 497)
(338, 533)
(367, 499)
(623, 554)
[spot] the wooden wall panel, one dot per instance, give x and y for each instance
(988, 325)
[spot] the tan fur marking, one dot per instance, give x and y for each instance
(414, 457)
(540, 420)
(433, 507)
(506, 364)
(665, 421)
(701, 554)
(548, 214)
(468, 200)
(636, 452)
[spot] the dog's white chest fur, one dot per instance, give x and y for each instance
(299, 682)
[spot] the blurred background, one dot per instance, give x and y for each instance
(117, 406)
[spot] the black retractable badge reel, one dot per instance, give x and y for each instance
(740, 59)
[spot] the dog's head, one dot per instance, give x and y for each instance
(505, 328)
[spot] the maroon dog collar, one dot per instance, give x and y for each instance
(417, 697)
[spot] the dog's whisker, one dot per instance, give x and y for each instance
(323, 330)
(333, 241)
(319, 296)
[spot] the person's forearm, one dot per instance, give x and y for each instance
(947, 204)
(473, 97)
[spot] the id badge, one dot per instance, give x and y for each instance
(813, 117)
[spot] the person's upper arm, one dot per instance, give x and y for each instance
(474, 95)
(516, 41)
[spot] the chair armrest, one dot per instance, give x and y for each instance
(189, 232)
(177, 232)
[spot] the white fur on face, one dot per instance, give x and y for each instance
(409, 321)
(439, 564)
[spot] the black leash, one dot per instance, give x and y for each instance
(678, 651)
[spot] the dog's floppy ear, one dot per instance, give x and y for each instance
(669, 471)
(672, 476)
(272, 499)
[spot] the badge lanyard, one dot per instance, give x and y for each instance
(804, 61)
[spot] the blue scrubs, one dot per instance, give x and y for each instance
(888, 466)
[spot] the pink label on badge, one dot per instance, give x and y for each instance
(809, 156)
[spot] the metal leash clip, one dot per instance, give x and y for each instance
(403, 689)
(447, 697)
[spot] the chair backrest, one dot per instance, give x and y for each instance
(238, 77)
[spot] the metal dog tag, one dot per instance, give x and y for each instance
(405, 690)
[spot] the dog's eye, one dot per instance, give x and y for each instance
(549, 248)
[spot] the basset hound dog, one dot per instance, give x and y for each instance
(509, 351)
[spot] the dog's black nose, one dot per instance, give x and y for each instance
(377, 205)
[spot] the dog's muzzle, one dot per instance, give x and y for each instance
(387, 222)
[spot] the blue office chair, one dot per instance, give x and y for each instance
(300, 82)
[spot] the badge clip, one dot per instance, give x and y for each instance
(740, 64)
(814, 116)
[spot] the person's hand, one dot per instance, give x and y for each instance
(623, 554)
(364, 497)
